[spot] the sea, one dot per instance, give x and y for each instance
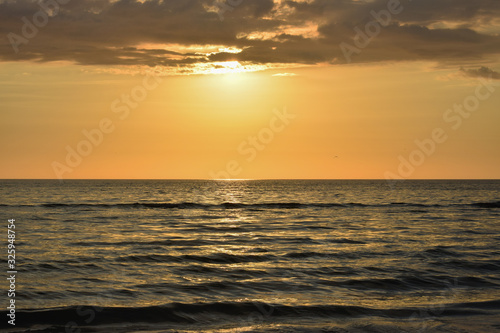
(251, 255)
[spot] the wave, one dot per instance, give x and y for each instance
(479, 266)
(408, 283)
(256, 206)
(494, 204)
(166, 242)
(440, 252)
(181, 313)
(216, 258)
(224, 205)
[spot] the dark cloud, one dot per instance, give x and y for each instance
(481, 72)
(104, 32)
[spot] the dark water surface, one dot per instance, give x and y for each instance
(254, 256)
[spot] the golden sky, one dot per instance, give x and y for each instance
(250, 89)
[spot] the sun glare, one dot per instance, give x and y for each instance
(228, 67)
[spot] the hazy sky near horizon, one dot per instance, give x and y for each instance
(250, 89)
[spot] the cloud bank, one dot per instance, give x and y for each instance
(483, 72)
(189, 34)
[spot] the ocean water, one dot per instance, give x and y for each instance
(254, 256)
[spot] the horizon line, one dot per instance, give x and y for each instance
(248, 179)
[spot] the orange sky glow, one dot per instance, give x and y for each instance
(265, 90)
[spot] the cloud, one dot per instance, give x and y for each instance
(269, 33)
(284, 74)
(480, 72)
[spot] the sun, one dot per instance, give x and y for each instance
(226, 67)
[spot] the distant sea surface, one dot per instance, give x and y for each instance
(254, 256)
